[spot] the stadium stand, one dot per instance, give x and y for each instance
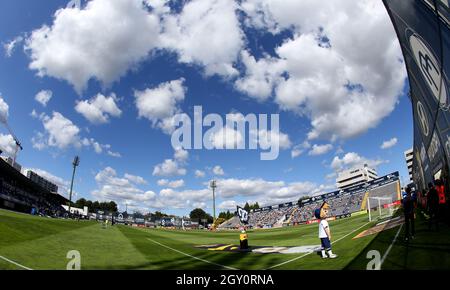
(19, 193)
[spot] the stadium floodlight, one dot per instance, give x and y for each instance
(213, 185)
(75, 163)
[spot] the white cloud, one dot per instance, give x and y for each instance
(10, 46)
(228, 205)
(99, 109)
(217, 170)
(120, 189)
(7, 144)
(169, 168)
(298, 149)
(160, 104)
(44, 97)
(346, 76)
(135, 179)
(176, 183)
(320, 149)
(389, 143)
(351, 160)
(4, 110)
(61, 132)
(206, 32)
(114, 154)
(181, 155)
(199, 173)
(171, 184)
(91, 43)
(260, 76)
(173, 167)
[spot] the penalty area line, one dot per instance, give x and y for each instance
(15, 263)
(302, 256)
(190, 256)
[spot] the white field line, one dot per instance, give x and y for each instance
(15, 263)
(390, 246)
(302, 256)
(190, 256)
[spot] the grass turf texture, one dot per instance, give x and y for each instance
(41, 243)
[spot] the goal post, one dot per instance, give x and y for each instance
(379, 207)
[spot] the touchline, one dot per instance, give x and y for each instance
(228, 134)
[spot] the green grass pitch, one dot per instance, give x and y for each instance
(41, 244)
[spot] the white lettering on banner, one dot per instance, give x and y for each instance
(430, 68)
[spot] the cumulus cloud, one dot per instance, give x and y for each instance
(298, 149)
(61, 132)
(43, 97)
(199, 173)
(99, 109)
(389, 143)
(320, 149)
(261, 76)
(207, 33)
(172, 184)
(217, 170)
(135, 179)
(351, 160)
(120, 189)
(228, 205)
(98, 41)
(10, 46)
(169, 168)
(160, 104)
(4, 110)
(346, 76)
(7, 144)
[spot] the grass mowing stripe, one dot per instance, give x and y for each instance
(180, 252)
(296, 258)
(15, 263)
(390, 246)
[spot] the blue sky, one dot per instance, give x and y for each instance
(338, 85)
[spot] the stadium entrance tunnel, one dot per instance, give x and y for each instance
(260, 249)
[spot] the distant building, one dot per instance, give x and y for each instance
(355, 176)
(409, 162)
(11, 162)
(50, 186)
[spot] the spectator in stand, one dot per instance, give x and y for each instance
(432, 206)
(442, 200)
(408, 210)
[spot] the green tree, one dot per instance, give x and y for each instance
(197, 214)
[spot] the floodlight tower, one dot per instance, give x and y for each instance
(75, 163)
(213, 185)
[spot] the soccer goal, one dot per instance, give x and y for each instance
(379, 207)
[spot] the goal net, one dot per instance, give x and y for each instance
(379, 207)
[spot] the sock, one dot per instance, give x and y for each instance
(323, 254)
(329, 252)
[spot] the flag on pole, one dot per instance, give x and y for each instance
(243, 215)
